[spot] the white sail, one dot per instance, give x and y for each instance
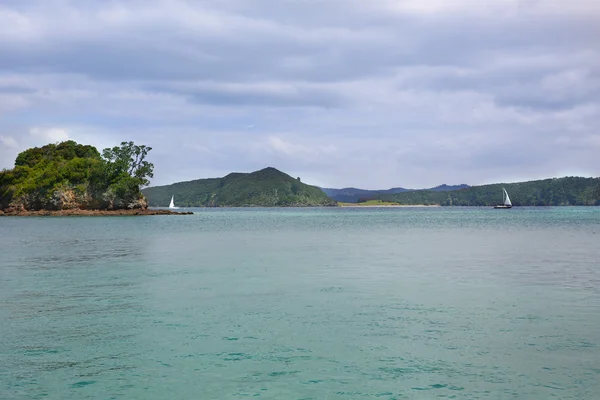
(172, 205)
(507, 199)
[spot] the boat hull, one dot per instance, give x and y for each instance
(502, 206)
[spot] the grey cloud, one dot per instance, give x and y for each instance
(420, 95)
(529, 99)
(376, 43)
(16, 89)
(255, 95)
(262, 99)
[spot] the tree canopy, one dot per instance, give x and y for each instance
(265, 188)
(130, 159)
(72, 175)
(568, 191)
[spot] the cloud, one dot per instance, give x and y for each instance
(8, 142)
(593, 141)
(50, 134)
(492, 8)
(273, 94)
(286, 148)
(277, 145)
(375, 94)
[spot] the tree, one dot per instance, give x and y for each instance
(67, 150)
(130, 159)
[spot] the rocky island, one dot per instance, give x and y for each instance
(74, 179)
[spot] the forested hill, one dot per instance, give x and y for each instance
(569, 191)
(68, 175)
(354, 195)
(268, 187)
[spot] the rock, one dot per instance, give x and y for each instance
(14, 209)
(139, 204)
(92, 213)
(67, 199)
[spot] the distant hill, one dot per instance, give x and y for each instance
(268, 187)
(448, 188)
(354, 195)
(568, 191)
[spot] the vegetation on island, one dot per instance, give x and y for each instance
(69, 175)
(268, 187)
(354, 195)
(72, 176)
(568, 191)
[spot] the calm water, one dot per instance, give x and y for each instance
(303, 304)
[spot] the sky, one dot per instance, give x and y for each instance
(371, 94)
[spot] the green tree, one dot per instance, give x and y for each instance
(69, 174)
(130, 159)
(67, 150)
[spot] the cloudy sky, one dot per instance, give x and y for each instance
(371, 94)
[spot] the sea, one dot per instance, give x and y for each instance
(314, 303)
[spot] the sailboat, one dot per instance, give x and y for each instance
(507, 203)
(172, 205)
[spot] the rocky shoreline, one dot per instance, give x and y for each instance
(89, 213)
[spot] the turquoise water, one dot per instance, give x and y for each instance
(399, 303)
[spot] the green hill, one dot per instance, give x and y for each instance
(69, 175)
(268, 187)
(354, 195)
(569, 191)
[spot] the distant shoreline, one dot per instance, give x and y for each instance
(90, 213)
(388, 205)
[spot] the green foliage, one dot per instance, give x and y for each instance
(354, 195)
(63, 151)
(549, 192)
(129, 159)
(265, 188)
(68, 174)
(187, 194)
